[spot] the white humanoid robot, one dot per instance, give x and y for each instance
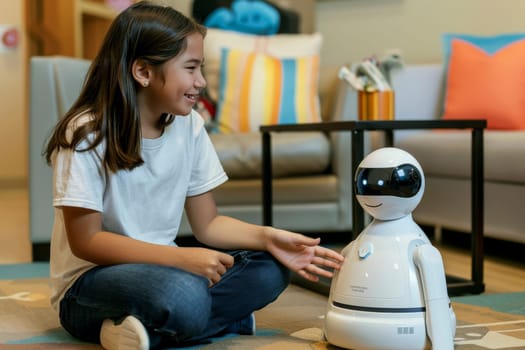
(391, 291)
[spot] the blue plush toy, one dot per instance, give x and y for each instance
(246, 16)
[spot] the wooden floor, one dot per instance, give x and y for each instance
(504, 266)
(501, 273)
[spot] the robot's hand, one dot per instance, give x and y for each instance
(440, 329)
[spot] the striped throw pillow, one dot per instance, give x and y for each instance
(258, 89)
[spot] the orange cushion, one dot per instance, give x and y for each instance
(485, 86)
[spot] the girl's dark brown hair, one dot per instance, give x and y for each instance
(143, 31)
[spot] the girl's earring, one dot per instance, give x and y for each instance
(145, 83)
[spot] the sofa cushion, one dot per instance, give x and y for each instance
(485, 85)
(258, 89)
(280, 45)
(304, 153)
(447, 153)
(490, 44)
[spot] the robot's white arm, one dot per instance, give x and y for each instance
(430, 266)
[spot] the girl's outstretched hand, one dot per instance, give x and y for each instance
(302, 254)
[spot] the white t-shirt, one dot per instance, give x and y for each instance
(146, 203)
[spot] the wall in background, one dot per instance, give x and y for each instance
(13, 138)
(354, 29)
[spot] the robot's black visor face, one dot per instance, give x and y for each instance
(401, 181)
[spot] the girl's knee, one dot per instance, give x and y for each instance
(280, 276)
(273, 277)
(180, 312)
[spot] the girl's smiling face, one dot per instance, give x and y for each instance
(175, 87)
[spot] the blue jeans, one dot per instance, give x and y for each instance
(175, 306)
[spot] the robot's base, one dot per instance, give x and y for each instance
(361, 330)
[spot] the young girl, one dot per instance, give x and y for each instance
(128, 158)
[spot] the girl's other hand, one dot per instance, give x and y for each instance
(208, 263)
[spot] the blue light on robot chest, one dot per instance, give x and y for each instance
(401, 181)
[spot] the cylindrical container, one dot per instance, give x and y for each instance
(376, 105)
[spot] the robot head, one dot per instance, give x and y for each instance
(389, 183)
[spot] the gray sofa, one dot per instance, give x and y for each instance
(445, 158)
(312, 189)
(312, 186)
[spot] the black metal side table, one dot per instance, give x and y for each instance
(456, 285)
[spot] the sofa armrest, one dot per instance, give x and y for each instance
(55, 83)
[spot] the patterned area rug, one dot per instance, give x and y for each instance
(293, 322)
